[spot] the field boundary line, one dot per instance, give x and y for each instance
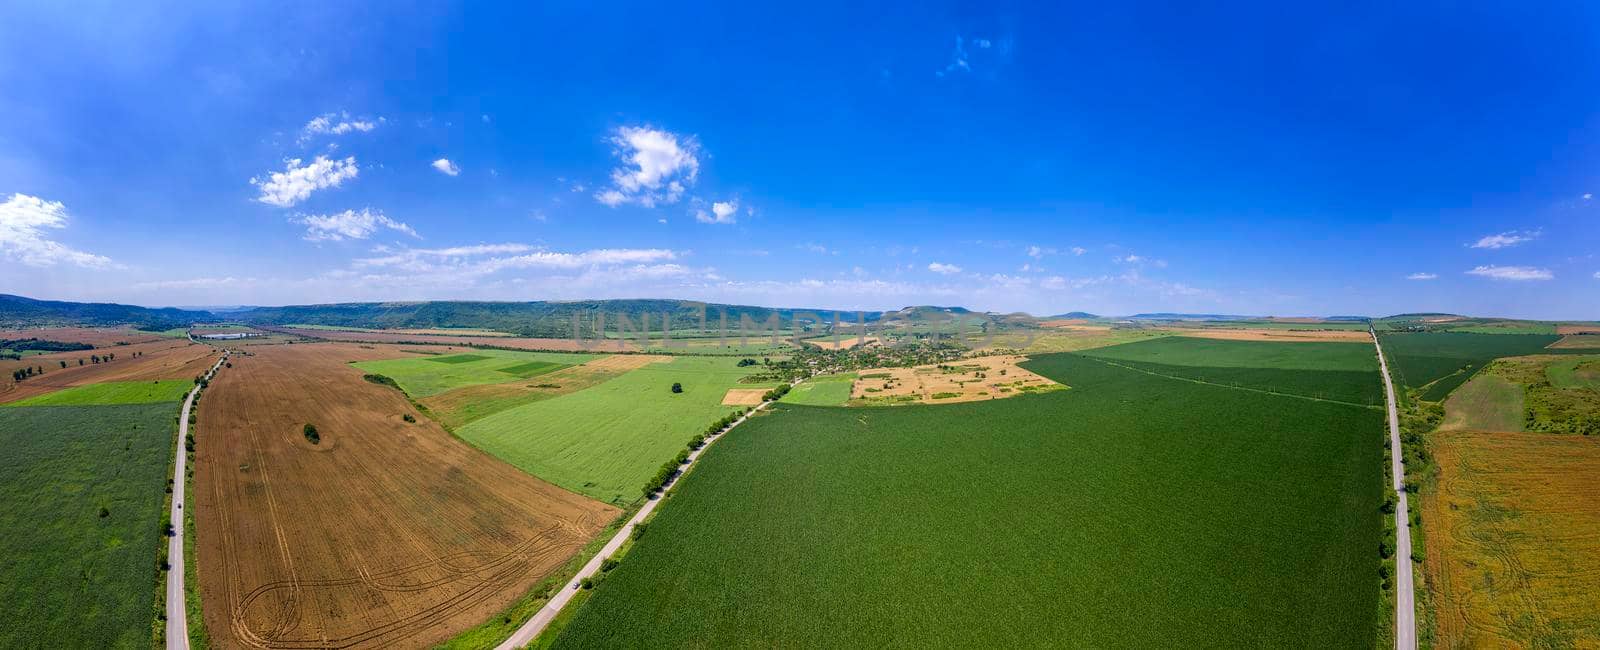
(1405, 607)
(177, 599)
(1245, 388)
(542, 619)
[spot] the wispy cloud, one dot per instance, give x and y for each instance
(816, 248)
(944, 269)
(657, 167)
(335, 124)
(1506, 239)
(488, 258)
(23, 220)
(296, 182)
(1423, 276)
(446, 167)
(1516, 273)
(350, 224)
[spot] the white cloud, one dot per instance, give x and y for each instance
(23, 219)
(721, 212)
(1078, 250)
(446, 167)
(296, 182)
(335, 124)
(657, 166)
(1597, 275)
(1505, 239)
(488, 258)
(1587, 196)
(1518, 273)
(944, 269)
(817, 248)
(350, 225)
(1037, 252)
(1423, 276)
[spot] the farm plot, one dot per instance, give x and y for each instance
(1435, 363)
(1512, 552)
(113, 392)
(1489, 402)
(100, 337)
(607, 440)
(81, 506)
(1560, 394)
(1345, 372)
(162, 359)
(516, 342)
(1130, 511)
(1577, 342)
(457, 407)
(824, 390)
(376, 532)
(979, 378)
(423, 376)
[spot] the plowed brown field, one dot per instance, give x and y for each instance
(385, 534)
(162, 359)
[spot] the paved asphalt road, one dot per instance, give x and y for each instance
(1405, 614)
(177, 612)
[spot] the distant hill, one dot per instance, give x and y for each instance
(1192, 317)
(17, 311)
(1073, 315)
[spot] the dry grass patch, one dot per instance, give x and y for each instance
(384, 533)
(1577, 342)
(100, 337)
(1515, 540)
(1360, 336)
(967, 380)
(1578, 329)
(743, 396)
(844, 343)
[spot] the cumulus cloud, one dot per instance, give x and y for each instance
(657, 167)
(1422, 276)
(23, 220)
(944, 269)
(721, 212)
(296, 182)
(1517, 273)
(1505, 239)
(1037, 252)
(350, 224)
(446, 167)
(335, 124)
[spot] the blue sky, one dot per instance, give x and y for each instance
(1112, 157)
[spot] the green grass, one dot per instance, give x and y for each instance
(1576, 373)
(1345, 372)
(71, 578)
(1487, 403)
(826, 390)
(606, 441)
(430, 375)
(1437, 362)
(1130, 511)
(113, 392)
(533, 368)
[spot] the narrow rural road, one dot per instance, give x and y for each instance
(525, 634)
(177, 612)
(1405, 601)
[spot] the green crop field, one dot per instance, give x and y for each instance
(1130, 511)
(606, 441)
(113, 392)
(430, 375)
(827, 390)
(1345, 372)
(74, 575)
(1437, 362)
(1575, 373)
(1489, 402)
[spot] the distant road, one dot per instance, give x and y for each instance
(1405, 602)
(177, 611)
(525, 634)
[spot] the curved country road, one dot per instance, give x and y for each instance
(1405, 604)
(177, 610)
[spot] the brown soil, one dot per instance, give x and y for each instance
(386, 534)
(1577, 341)
(1514, 539)
(956, 381)
(1578, 329)
(160, 359)
(462, 405)
(1279, 335)
(743, 396)
(99, 337)
(843, 343)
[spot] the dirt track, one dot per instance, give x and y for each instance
(386, 534)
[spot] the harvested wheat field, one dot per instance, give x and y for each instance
(1578, 329)
(743, 396)
(161, 359)
(844, 343)
(967, 380)
(1075, 324)
(1279, 335)
(383, 533)
(1577, 342)
(457, 407)
(1514, 540)
(516, 342)
(100, 337)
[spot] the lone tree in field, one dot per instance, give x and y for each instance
(311, 434)
(677, 387)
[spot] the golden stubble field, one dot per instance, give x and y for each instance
(1513, 544)
(386, 533)
(157, 359)
(966, 380)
